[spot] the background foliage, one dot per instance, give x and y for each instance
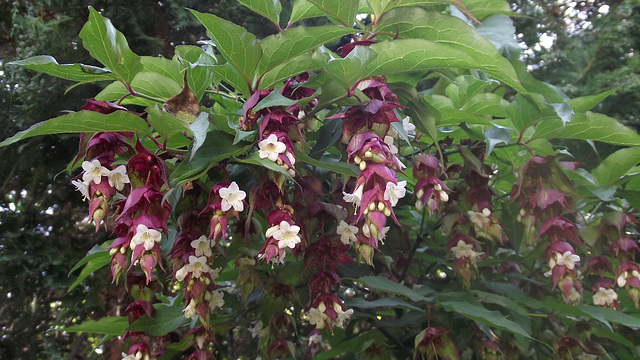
(37, 210)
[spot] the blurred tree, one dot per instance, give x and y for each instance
(585, 47)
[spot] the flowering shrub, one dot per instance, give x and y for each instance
(399, 196)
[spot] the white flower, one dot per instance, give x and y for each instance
(394, 192)
(271, 148)
(574, 296)
(257, 331)
(383, 233)
(287, 235)
(147, 237)
(315, 338)
(604, 297)
(317, 316)
(202, 246)
(190, 310)
(214, 273)
(347, 232)
(407, 125)
(462, 249)
(389, 141)
(343, 316)
(622, 279)
(232, 196)
(183, 272)
(118, 177)
(272, 230)
(83, 187)
(567, 259)
(198, 265)
(93, 171)
(216, 299)
(354, 198)
(138, 356)
(480, 220)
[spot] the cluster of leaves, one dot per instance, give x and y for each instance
(484, 117)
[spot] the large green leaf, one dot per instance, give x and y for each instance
(342, 11)
(586, 103)
(158, 87)
(83, 121)
(379, 7)
(165, 67)
(386, 285)
(268, 8)
(589, 126)
(336, 166)
(485, 316)
(385, 302)
(113, 325)
(483, 8)
(486, 104)
(229, 74)
(616, 165)
(218, 146)
(166, 124)
(75, 72)
(499, 29)
(237, 45)
(452, 43)
(304, 9)
(278, 48)
(292, 67)
(92, 263)
(107, 45)
(199, 76)
(164, 320)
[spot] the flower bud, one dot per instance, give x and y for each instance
(366, 251)
(363, 165)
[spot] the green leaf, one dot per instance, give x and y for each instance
(386, 285)
(279, 48)
(165, 320)
(226, 72)
(296, 66)
(165, 67)
(166, 124)
(152, 84)
(75, 72)
(304, 9)
(589, 126)
(483, 8)
(268, 8)
(83, 121)
(616, 166)
(486, 104)
(347, 71)
(550, 93)
(107, 45)
(237, 45)
(275, 98)
(495, 136)
(482, 315)
(113, 325)
(499, 29)
(255, 159)
(328, 135)
(586, 103)
(523, 112)
(342, 11)
(420, 111)
(199, 129)
(381, 6)
(93, 262)
(446, 41)
(217, 147)
(336, 166)
(199, 76)
(611, 315)
(386, 302)
(466, 86)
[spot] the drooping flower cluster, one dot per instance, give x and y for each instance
(377, 189)
(429, 191)
(326, 310)
(278, 126)
(542, 201)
